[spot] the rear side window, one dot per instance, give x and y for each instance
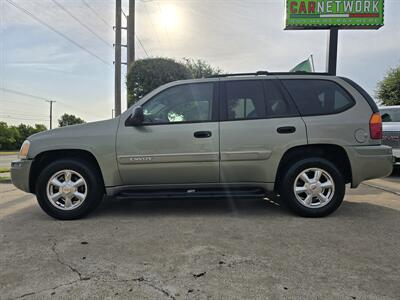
(245, 100)
(318, 97)
(276, 104)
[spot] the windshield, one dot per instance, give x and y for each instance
(390, 114)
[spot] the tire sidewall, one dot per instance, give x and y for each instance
(287, 191)
(94, 190)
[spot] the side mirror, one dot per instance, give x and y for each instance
(136, 118)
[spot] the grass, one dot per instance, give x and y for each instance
(5, 179)
(5, 170)
(8, 152)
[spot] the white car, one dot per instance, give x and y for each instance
(391, 129)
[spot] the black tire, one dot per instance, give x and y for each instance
(287, 193)
(95, 188)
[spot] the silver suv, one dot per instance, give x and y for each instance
(302, 136)
(391, 129)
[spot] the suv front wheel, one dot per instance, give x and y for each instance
(313, 187)
(69, 189)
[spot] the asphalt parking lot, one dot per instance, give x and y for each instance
(204, 249)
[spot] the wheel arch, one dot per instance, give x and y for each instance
(47, 157)
(332, 152)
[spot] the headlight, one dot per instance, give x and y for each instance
(23, 152)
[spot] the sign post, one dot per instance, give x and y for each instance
(333, 15)
(331, 56)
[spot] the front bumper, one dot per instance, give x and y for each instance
(396, 156)
(20, 174)
(369, 162)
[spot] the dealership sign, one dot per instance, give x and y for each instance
(342, 14)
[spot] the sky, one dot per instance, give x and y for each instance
(75, 67)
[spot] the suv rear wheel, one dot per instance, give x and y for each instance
(313, 187)
(69, 189)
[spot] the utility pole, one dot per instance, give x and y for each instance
(130, 38)
(131, 33)
(117, 62)
(51, 112)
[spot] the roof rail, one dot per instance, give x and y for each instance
(258, 73)
(239, 74)
(300, 73)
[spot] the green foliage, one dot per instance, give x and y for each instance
(12, 137)
(199, 68)
(388, 90)
(146, 75)
(67, 120)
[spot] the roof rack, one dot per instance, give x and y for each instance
(240, 74)
(258, 73)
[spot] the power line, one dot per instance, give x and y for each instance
(82, 24)
(16, 101)
(23, 94)
(97, 14)
(151, 21)
(138, 39)
(140, 42)
(20, 113)
(81, 111)
(126, 17)
(17, 118)
(57, 31)
(44, 99)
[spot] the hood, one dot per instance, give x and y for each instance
(79, 130)
(92, 137)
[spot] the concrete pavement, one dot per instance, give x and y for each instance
(5, 160)
(191, 249)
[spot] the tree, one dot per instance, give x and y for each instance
(7, 137)
(12, 137)
(24, 131)
(67, 120)
(388, 90)
(146, 75)
(199, 68)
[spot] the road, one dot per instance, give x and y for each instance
(5, 160)
(202, 249)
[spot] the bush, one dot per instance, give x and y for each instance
(12, 137)
(146, 75)
(388, 91)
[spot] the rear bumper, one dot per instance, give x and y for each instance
(20, 174)
(396, 156)
(369, 162)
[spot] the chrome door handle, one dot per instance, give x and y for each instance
(286, 129)
(202, 134)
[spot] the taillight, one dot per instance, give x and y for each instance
(375, 126)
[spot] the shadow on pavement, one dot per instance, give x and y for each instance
(201, 207)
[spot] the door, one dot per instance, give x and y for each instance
(258, 124)
(177, 143)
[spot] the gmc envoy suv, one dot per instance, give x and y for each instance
(303, 136)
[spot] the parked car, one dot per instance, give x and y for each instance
(391, 129)
(300, 135)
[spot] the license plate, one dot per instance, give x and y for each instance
(396, 152)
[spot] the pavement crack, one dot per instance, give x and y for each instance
(381, 188)
(74, 270)
(25, 295)
(154, 286)
(45, 290)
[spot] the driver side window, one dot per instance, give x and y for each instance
(182, 103)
